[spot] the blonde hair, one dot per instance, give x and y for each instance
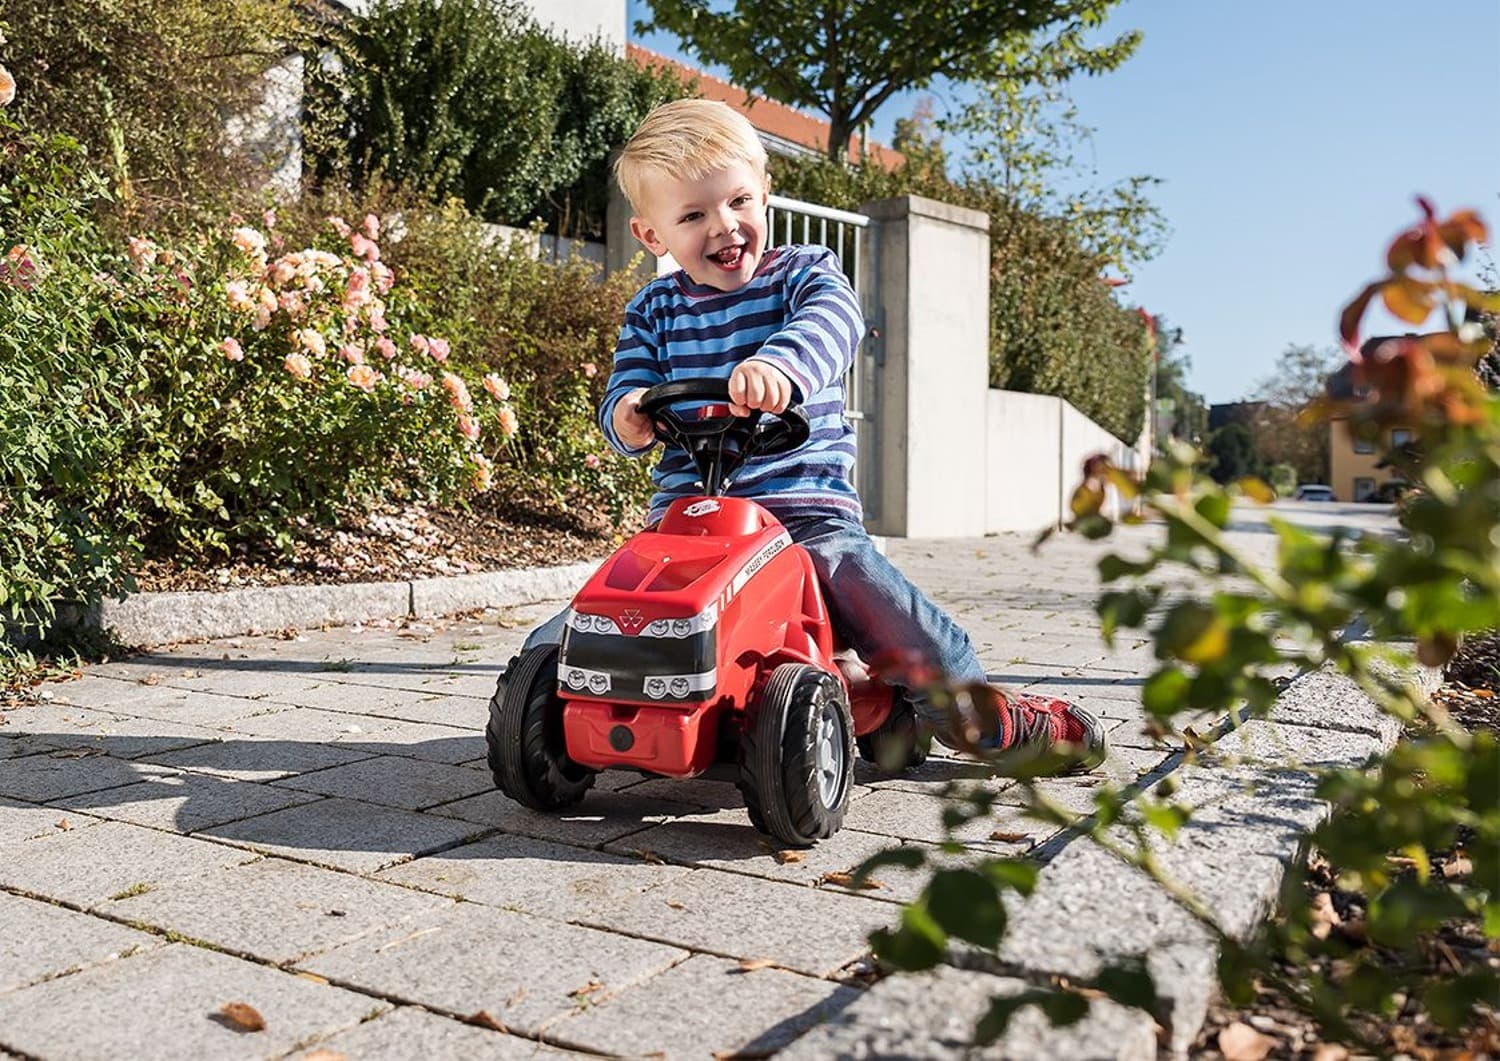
(687, 139)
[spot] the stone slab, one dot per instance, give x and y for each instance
(259, 759)
(368, 733)
(65, 726)
(185, 803)
(159, 618)
(23, 822)
(1326, 700)
(461, 593)
(274, 910)
(601, 817)
(917, 816)
(345, 834)
(394, 781)
(931, 1017)
(165, 1004)
(55, 775)
(194, 707)
(409, 1032)
(525, 972)
(533, 876)
(706, 1007)
(41, 941)
(87, 866)
(439, 708)
(805, 929)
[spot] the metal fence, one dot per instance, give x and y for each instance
(848, 236)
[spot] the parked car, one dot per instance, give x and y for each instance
(1314, 492)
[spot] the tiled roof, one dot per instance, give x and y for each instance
(782, 126)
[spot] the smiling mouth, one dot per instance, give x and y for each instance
(729, 257)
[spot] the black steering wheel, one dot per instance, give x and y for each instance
(717, 440)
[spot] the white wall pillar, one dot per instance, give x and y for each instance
(931, 303)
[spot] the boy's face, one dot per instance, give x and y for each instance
(715, 228)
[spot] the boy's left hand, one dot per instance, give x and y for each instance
(758, 385)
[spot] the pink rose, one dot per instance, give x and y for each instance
(377, 320)
(591, 461)
(364, 377)
(496, 387)
(269, 217)
(509, 425)
(298, 365)
(232, 350)
(364, 248)
(458, 393)
(372, 226)
(468, 427)
(237, 294)
(142, 253)
(420, 344)
(382, 276)
(340, 226)
(590, 370)
(483, 477)
(7, 87)
(438, 348)
(385, 348)
(352, 353)
(248, 240)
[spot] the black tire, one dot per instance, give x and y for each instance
(797, 756)
(897, 743)
(528, 755)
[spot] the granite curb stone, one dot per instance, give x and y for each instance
(161, 618)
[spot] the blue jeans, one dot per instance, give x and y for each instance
(875, 610)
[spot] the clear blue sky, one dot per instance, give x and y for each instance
(1291, 136)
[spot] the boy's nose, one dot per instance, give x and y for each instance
(725, 221)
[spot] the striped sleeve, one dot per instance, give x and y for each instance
(824, 324)
(637, 364)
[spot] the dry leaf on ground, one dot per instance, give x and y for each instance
(243, 1016)
(650, 857)
(1323, 916)
(322, 1053)
(1240, 1042)
(783, 857)
(750, 965)
(64, 824)
(593, 987)
(1009, 838)
(846, 880)
(484, 1020)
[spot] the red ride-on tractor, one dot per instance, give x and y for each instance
(704, 640)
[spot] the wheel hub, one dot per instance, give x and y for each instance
(830, 757)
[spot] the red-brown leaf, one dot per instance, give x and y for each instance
(243, 1016)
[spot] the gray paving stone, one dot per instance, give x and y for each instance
(195, 707)
(812, 931)
(53, 775)
(105, 693)
(1295, 746)
(919, 816)
(598, 819)
(1325, 700)
(394, 781)
(525, 972)
(185, 803)
(251, 678)
(438, 708)
(65, 726)
(275, 910)
(408, 1032)
(931, 1017)
(727, 841)
(22, 822)
(534, 876)
(260, 759)
(164, 1004)
(86, 866)
(41, 941)
(706, 1007)
(380, 736)
(345, 834)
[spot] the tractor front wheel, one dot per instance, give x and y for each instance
(528, 755)
(797, 756)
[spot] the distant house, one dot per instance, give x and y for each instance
(1226, 413)
(1357, 467)
(784, 130)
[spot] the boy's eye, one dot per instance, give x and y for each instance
(695, 215)
(740, 200)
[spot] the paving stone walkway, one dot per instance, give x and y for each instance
(307, 825)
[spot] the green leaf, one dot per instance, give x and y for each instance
(1168, 818)
(918, 943)
(1165, 692)
(1452, 1000)
(1014, 873)
(905, 857)
(1129, 984)
(967, 905)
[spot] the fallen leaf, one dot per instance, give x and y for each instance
(484, 1020)
(593, 987)
(750, 965)
(64, 824)
(335, 913)
(1323, 916)
(1458, 866)
(243, 1016)
(675, 905)
(846, 880)
(1240, 1042)
(650, 856)
(322, 1053)
(516, 996)
(783, 857)
(1010, 838)
(314, 977)
(151, 679)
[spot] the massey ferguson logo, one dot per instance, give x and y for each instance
(631, 619)
(701, 508)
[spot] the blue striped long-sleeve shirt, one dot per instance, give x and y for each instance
(798, 313)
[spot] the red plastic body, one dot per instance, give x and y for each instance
(716, 597)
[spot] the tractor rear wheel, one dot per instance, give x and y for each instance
(528, 755)
(897, 743)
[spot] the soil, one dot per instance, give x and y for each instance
(398, 543)
(1271, 1027)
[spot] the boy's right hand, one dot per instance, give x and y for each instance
(633, 427)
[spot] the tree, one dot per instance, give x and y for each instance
(1232, 448)
(1301, 375)
(846, 58)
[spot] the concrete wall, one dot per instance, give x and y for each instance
(549, 248)
(929, 410)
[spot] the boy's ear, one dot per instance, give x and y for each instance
(641, 229)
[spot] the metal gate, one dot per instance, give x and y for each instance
(850, 236)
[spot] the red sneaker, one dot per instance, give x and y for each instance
(1032, 725)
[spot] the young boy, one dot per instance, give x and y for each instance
(782, 325)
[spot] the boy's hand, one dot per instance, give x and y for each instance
(758, 385)
(633, 426)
